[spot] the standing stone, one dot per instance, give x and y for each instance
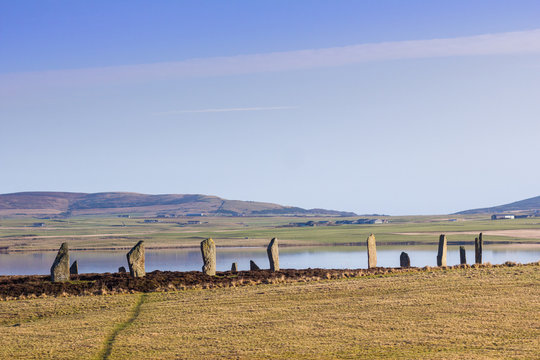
(273, 254)
(371, 251)
(253, 266)
(404, 260)
(478, 244)
(208, 251)
(462, 255)
(441, 255)
(135, 259)
(121, 270)
(234, 267)
(74, 269)
(60, 267)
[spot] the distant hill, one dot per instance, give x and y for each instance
(63, 204)
(530, 204)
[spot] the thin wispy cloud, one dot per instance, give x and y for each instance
(260, 108)
(520, 42)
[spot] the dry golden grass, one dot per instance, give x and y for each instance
(471, 313)
(465, 313)
(59, 328)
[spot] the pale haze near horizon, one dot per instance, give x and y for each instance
(374, 107)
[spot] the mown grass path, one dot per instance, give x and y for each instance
(109, 342)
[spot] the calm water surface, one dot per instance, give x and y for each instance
(329, 257)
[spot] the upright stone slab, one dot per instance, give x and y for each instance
(121, 270)
(462, 255)
(234, 267)
(135, 259)
(478, 245)
(273, 254)
(371, 251)
(441, 254)
(60, 267)
(404, 260)
(74, 269)
(253, 266)
(208, 251)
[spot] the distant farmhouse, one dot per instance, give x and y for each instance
(38, 224)
(502, 216)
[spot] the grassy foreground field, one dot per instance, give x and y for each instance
(480, 313)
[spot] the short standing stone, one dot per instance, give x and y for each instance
(478, 244)
(60, 267)
(253, 266)
(135, 259)
(208, 251)
(234, 267)
(371, 251)
(462, 255)
(441, 254)
(273, 254)
(121, 269)
(404, 260)
(74, 269)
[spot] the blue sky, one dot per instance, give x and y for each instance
(398, 107)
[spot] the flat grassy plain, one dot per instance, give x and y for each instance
(472, 313)
(119, 233)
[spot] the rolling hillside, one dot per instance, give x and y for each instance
(114, 203)
(530, 204)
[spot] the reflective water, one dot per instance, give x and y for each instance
(330, 257)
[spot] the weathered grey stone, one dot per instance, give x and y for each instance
(253, 266)
(60, 267)
(74, 269)
(478, 245)
(462, 255)
(135, 259)
(208, 251)
(234, 267)
(121, 269)
(273, 254)
(441, 254)
(404, 260)
(371, 251)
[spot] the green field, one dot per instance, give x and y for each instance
(106, 233)
(472, 313)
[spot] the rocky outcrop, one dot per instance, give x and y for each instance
(135, 259)
(404, 260)
(478, 245)
(273, 254)
(208, 252)
(462, 255)
(60, 267)
(441, 254)
(371, 251)
(74, 269)
(253, 266)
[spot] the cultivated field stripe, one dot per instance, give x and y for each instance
(109, 342)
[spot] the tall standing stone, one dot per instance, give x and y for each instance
(135, 259)
(60, 267)
(208, 251)
(462, 255)
(253, 266)
(478, 245)
(74, 269)
(404, 260)
(273, 254)
(234, 267)
(371, 251)
(441, 254)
